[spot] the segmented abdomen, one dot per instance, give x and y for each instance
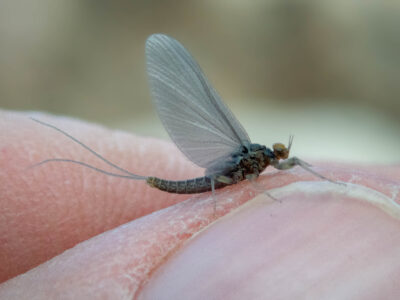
(190, 186)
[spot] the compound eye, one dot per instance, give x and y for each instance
(278, 147)
(280, 151)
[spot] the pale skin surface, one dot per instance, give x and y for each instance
(318, 241)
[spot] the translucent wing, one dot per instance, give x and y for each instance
(196, 119)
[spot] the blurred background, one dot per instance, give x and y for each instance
(326, 71)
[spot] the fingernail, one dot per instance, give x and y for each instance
(320, 244)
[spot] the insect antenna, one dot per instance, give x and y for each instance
(130, 175)
(291, 137)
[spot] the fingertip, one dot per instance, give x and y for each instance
(318, 235)
(171, 251)
(55, 207)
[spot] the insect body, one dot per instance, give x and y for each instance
(200, 124)
(247, 163)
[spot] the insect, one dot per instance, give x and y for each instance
(200, 124)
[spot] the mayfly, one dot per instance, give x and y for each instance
(200, 124)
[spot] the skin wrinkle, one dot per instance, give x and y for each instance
(173, 247)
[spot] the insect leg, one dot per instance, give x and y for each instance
(213, 194)
(294, 161)
(258, 187)
(224, 179)
(221, 179)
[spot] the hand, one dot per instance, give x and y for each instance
(320, 240)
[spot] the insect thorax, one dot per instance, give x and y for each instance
(248, 160)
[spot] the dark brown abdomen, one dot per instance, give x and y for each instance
(190, 186)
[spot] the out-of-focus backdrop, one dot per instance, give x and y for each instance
(326, 71)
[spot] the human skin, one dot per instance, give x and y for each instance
(126, 240)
